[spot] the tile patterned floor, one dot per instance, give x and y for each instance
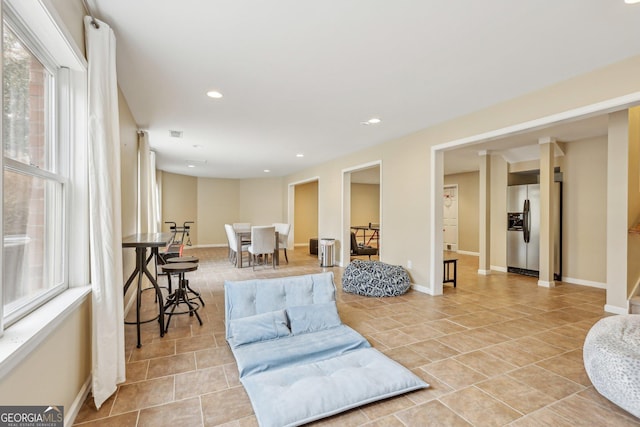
(497, 350)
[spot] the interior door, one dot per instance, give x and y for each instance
(450, 218)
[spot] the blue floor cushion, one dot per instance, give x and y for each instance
(296, 359)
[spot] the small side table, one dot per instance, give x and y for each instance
(446, 272)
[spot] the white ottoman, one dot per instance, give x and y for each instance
(612, 360)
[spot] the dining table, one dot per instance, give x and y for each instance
(142, 242)
(244, 234)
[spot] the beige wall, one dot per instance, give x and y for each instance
(584, 220)
(306, 212)
(128, 180)
(213, 202)
(468, 209)
(365, 204)
(406, 172)
(261, 201)
(218, 204)
(180, 202)
(56, 370)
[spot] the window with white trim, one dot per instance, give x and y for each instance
(35, 172)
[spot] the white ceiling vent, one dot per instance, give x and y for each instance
(175, 133)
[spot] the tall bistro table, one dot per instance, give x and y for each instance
(141, 242)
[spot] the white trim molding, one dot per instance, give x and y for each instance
(468, 253)
(423, 289)
(29, 332)
(72, 412)
(499, 268)
(615, 309)
(546, 284)
(583, 282)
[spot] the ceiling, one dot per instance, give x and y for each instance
(524, 146)
(300, 76)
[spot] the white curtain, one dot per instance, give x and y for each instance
(148, 205)
(105, 214)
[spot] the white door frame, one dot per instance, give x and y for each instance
(345, 247)
(437, 165)
(291, 207)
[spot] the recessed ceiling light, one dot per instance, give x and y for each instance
(267, 171)
(175, 133)
(631, 1)
(299, 155)
(195, 163)
(214, 94)
(372, 121)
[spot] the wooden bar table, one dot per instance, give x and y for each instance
(141, 242)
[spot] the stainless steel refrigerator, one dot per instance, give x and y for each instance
(523, 229)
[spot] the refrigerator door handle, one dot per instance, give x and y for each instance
(526, 226)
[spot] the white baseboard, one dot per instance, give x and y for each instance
(615, 309)
(582, 282)
(546, 284)
(72, 412)
(484, 272)
(421, 288)
(468, 253)
(499, 268)
(211, 245)
(301, 244)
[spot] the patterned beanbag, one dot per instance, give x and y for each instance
(375, 279)
(611, 356)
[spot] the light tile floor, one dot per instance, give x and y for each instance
(497, 350)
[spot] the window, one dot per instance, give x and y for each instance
(34, 177)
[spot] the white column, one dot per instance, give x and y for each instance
(547, 202)
(617, 212)
(484, 266)
(437, 237)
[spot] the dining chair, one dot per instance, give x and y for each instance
(358, 249)
(263, 244)
(283, 237)
(233, 244)
(243, 226)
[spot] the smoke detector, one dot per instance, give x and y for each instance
(175, 133)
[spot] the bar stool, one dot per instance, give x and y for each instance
(180, 295)
(182, 259)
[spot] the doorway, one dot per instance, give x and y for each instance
(361, 212)
(303, 214)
